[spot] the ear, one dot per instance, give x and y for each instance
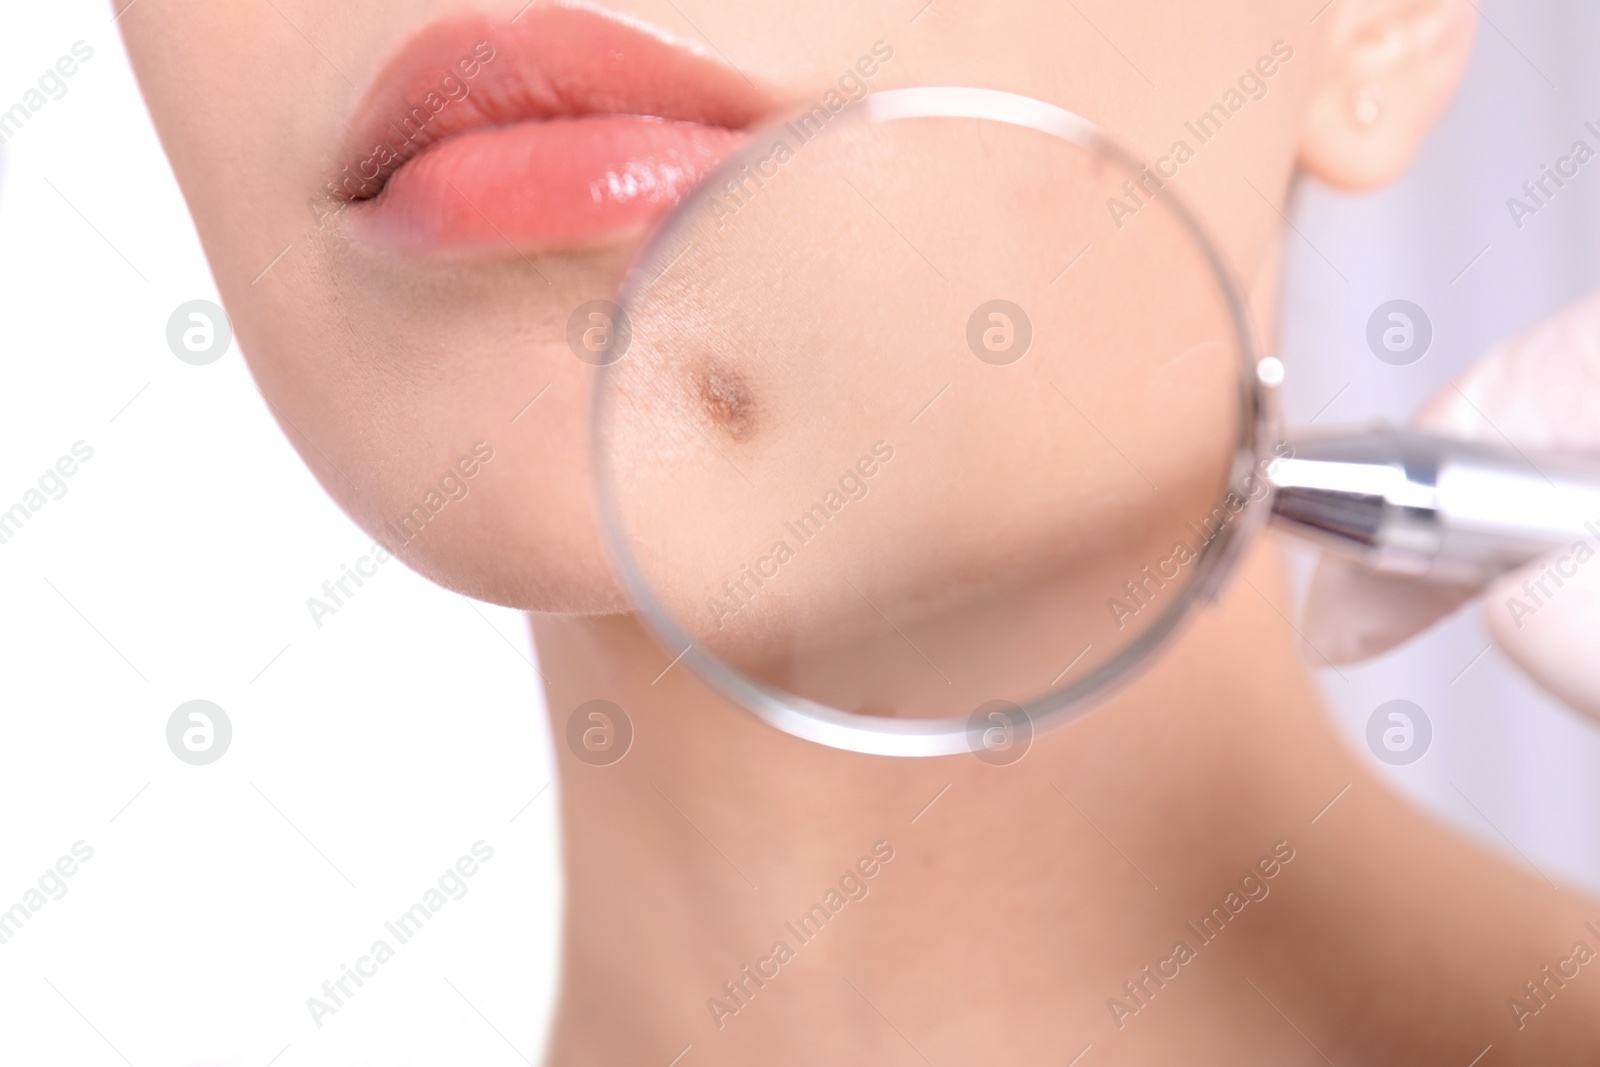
(1388, 69)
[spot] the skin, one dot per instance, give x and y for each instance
(1017, 905)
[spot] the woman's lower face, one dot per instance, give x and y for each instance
(439, 189)
(410, 208)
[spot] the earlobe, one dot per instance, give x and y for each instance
(1389, 68)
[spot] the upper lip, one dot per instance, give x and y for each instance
(554, 61)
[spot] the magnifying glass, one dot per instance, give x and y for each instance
(931, 419)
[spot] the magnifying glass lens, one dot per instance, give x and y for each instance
(924, 411)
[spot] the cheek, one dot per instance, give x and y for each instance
(1029, 423)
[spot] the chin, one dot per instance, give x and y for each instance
(495, 526)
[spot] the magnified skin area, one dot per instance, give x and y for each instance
(870, 508)
(1021, 900)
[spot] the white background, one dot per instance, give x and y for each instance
(370, 753)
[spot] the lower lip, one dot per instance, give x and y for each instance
(546, 185)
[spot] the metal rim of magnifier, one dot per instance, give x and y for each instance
(874, 735)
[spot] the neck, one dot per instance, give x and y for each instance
(718, 885)
(755, 898)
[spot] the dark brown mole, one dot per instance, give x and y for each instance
(727, 397)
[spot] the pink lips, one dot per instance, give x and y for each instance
(565, 128)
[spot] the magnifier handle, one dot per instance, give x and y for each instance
(1432, 507)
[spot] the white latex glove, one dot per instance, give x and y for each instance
(1541, 393)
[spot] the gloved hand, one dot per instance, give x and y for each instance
(1539, 392)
